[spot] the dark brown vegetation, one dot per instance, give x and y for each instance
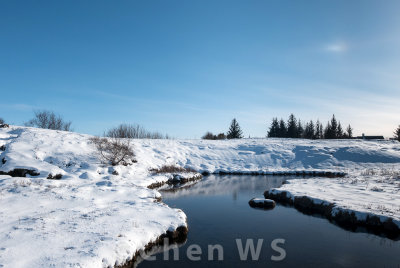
(3, 123)
(115, 151)
(210, 136)
(133, 132)
(49, 120)
(55, 177)
(170, 169)
(179, 175)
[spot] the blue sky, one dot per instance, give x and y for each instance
(185, 67)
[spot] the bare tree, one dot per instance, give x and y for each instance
(49, 120)
(115, 151)
(133, 132)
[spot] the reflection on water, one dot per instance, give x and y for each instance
(234, 185)
(218, 213)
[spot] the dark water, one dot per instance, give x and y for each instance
(218, 213)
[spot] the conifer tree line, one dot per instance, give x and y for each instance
(294, 128)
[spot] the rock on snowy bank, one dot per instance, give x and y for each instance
(175, 179)
(89, 217)
(349, 202)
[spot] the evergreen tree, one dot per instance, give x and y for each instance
(349, 132)
(397, 133)
(294, 128)
(234, 130)
(282, 131)
(319, 130)
(300, 129)
(339, 134)
(331, 130)
(312, 129)
(274, 128)
(334, 127)
(328, 131)
(309, 132)
(292, 131)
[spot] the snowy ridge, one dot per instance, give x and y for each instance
(267, 156)
(58, 152)
(93, 218)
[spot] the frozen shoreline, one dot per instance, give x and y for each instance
(99, 216)
(369, 201)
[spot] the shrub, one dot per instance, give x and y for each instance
(170, 169)
(133, 132)
(2, 121)
(48, 120)
(221, 136)
(115, 151)
(210, 136)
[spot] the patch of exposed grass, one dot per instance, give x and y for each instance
(170, 169)
(394, 174)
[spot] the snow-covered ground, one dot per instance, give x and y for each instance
(89, 218)
(92, 218)
(273, 155)
(363, 194)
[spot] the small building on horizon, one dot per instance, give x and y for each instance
(364, 137)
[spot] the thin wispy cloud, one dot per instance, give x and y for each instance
(337, 47)
(20, 107)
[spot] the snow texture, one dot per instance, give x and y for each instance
(262, 200)
(89, 218)
(93, 218)
(365, 195)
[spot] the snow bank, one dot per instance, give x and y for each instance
(363, 195)
(98, 216)
(89, 218)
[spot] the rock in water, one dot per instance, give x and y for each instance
(262, 203)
